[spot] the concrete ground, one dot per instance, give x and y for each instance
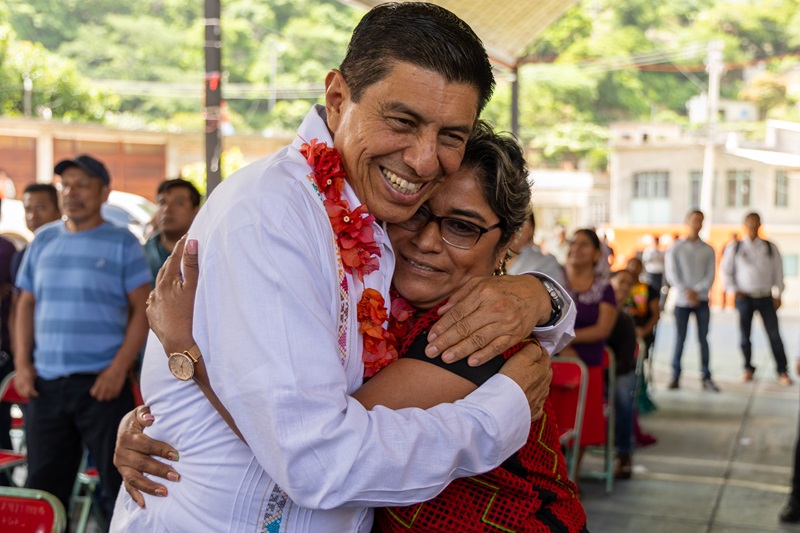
(723, 461)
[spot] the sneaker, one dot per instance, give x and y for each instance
(747, 377)
(710, 385)
(674, 384)
(784, 379)
(790, 512)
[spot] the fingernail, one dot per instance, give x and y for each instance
(140, 504)
(432, 336)
(447, 357)
(191, 246)
(161, 492)
(173, 476)
(431, 350)
(172, 456)
(147, 417)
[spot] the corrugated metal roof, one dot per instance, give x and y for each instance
(506, 27)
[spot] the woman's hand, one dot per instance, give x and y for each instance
(170, 306)
(530, 369)
(487, 316)
(133, 456)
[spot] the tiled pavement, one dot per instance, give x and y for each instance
(723, 461)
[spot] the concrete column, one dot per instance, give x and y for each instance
(44, 157)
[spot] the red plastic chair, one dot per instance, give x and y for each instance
(30, 511)
(10, 459)
(568, 395)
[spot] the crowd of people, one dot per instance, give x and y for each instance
(323, 345)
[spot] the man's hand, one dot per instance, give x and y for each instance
(25, 380)
(487, 316)
(691, 295)
(171, 304)
(108, 384)
(530, 369)
(132, 456)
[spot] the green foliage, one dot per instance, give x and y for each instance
(579, 76)
(232, 160)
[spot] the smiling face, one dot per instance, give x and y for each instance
(403, 136)
(428, 270)
(582, 251)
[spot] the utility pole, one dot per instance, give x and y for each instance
(213, 89)
(715, 68)
(515, 102)
(27, 95)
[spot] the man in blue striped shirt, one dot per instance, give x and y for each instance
(83, 284)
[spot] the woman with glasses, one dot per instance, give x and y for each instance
(462, 233)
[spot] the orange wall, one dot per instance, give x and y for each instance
(629, 241)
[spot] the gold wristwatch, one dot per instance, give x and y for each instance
(181, 364)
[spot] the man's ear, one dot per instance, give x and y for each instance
(337, 94)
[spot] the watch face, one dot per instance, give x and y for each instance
(181, 366)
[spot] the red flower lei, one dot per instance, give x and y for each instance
(359, 253)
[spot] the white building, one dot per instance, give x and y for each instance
(656, 175)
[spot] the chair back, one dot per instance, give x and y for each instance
(8, 391)
(568, 396)
(30, 511)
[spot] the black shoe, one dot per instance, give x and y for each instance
(791, 511)
(710, 385)
(674, 384)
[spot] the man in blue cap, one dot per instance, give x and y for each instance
(83, 285)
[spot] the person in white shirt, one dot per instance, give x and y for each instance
(653, 261)
(752, 269)
(285, 268)
(690, 266)
(530, 258)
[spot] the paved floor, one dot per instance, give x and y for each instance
(723, 461)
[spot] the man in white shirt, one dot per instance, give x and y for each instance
(690, 269)
(653, 261)
(752, 269)
(276, 312)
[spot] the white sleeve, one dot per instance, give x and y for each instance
(777, 269)
(726, 268)
(268, 304)
(554, 338)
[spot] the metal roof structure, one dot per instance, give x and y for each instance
(506, 27)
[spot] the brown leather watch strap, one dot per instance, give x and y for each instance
(201, 378)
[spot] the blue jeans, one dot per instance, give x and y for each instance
(747, 307)
(702, 315)
(624, 389)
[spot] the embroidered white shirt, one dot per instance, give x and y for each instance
(752, 269)
(266, 319)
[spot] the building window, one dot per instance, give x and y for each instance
(738, 188)
(695, 185)
(781, 188)
(653, 184)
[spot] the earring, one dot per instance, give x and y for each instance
(501, 270)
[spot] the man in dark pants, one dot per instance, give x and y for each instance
(83, 285)
(752, 269)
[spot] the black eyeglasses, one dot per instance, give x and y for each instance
(456, 232)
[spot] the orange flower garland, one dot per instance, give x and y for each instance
(359, 252)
